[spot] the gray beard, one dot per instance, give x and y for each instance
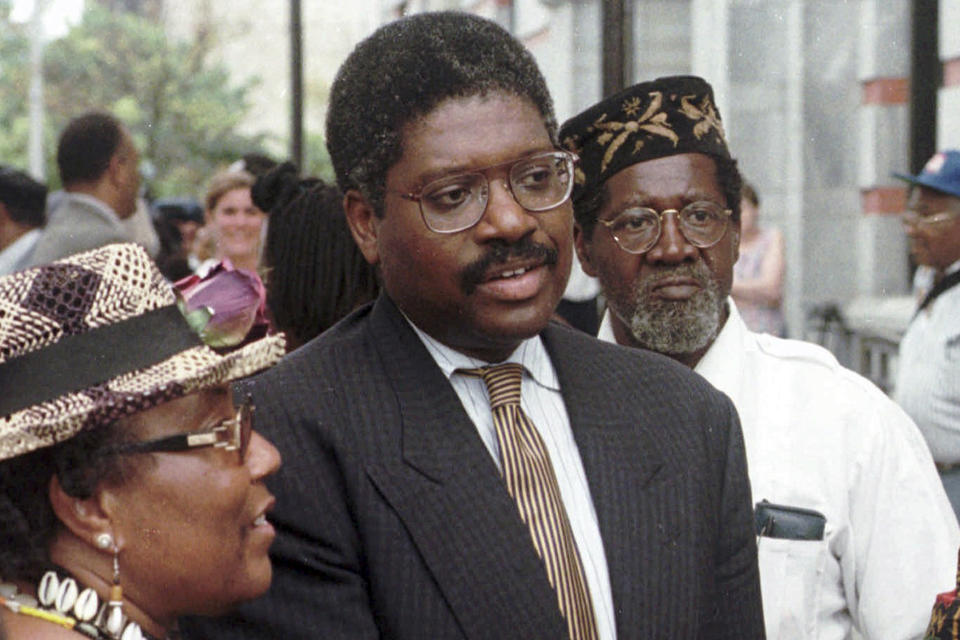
(674, 327)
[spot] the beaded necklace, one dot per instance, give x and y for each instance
(60, 600)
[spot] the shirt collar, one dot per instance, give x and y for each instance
(530, 353)
(15, 255)
(724, 358)
(97, 204)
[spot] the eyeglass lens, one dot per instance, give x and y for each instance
(637, 230)
(244, 429)
(916, 219)
(538, 183)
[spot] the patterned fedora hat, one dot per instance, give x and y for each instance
(95, 337)
(663, 117)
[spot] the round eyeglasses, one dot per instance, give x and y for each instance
(638, 229)
(457, 202)
(230, 435)
(928, 221)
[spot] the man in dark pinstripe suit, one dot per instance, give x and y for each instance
(393, 518)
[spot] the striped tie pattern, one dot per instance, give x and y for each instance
(531, 482)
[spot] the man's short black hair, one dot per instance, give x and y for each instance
(407, 68)
(24, 198)
(86, 146)
(586, 209)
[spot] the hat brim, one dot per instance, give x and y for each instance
(920, 180)
(187, 372)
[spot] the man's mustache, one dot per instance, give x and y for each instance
(475, 273)
(698, 272)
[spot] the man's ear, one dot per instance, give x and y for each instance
(364, 224)
(583, 246)
(115, 169)
(86, 518)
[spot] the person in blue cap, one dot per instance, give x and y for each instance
(928, 377)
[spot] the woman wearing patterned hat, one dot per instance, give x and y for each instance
(131, 488)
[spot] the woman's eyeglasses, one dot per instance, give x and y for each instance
(230, 435)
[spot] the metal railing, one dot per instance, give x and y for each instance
(864, 335)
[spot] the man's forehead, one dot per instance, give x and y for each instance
(459, 135)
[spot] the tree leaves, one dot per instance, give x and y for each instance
(182, 110)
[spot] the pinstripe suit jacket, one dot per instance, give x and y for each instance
(394, 522)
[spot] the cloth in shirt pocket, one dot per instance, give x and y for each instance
(791, 572)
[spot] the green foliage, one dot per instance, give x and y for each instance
(182, 111)
(316, 159)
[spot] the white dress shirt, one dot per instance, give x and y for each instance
(16, 255)
(542, 401)
(819, 436)
(928, 373)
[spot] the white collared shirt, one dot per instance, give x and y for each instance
(541, 399)
(928, 373)
(819, 436)
(17, 254)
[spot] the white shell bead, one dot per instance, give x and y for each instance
(67, 595)
(132, 632)
(87, 604)
(8, 590)
(49, 586)
(114, 620)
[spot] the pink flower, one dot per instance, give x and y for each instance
(225, 306)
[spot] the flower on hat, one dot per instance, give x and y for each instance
(226, 306)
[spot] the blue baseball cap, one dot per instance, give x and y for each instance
(941, 173)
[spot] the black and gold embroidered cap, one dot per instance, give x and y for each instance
(663, 117)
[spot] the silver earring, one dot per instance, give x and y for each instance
(104, 541)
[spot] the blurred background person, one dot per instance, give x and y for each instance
(928, 373)
(132, 487)
(141, 228)
(177, 221)
(23, 212)
(98, 165)
(233, 222)
(254, 163)
(315, 274)
(758, 273)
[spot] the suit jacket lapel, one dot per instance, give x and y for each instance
(624, 469)
(450, 496)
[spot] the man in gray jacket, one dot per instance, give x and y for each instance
(98, 168)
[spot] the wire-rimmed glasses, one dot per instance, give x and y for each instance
(928, 221)
(637, 229)
(456, 202)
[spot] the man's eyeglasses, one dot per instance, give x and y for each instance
(931, 221)
(230, 435)
(456, 202)
(638, 229)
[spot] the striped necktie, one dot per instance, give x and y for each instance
(533, 486)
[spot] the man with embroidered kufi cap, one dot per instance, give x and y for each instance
(854, 528)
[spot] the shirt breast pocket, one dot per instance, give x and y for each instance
(790, 582)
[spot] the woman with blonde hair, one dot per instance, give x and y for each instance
(234, 224)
